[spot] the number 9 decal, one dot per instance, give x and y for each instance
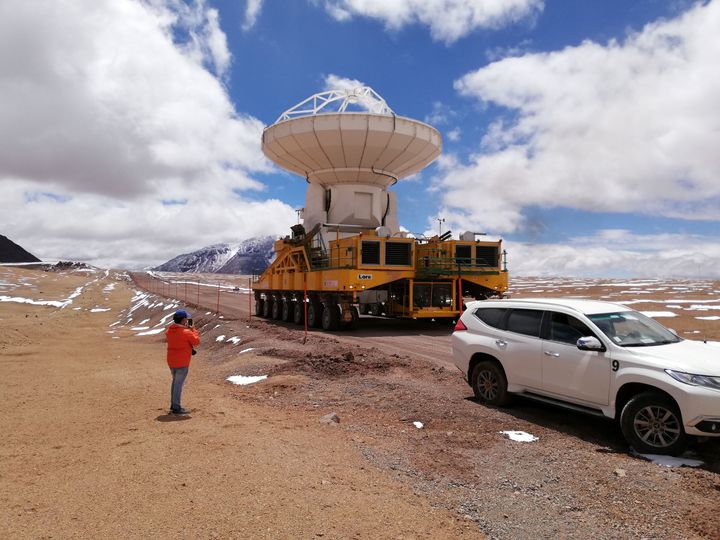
(615, 365)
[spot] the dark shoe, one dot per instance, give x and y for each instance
(180, 411)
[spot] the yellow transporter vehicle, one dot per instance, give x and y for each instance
(354, 254)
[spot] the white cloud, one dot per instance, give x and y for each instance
(449, 20)
(454, 134)
(367, 102)
(619, 253)
(110, 107)
(252, 11)
(629, 126)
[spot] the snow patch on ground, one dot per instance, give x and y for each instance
(234, 340)
(221, 337)
(99, 310)
(519, 436)
(245, 380)
(247, 350)
(151, 332)
(671, 461)
(659, 313)
(418, 425)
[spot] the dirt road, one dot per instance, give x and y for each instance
(89, 451)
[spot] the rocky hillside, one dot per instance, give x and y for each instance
(10, 252)
(248, 257)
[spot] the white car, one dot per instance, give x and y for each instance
(595, 357)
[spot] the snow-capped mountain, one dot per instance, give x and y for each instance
(248, 257)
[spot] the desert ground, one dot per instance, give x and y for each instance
(90, 451)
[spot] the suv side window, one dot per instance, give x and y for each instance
(567, 329)
(525, 321)
(491, 316)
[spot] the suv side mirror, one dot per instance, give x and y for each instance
(590, 343)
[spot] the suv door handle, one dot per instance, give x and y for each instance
(554, 354)
(500, 342)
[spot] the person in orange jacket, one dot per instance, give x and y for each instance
(181, 338)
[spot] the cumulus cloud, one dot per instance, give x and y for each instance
(108, 109)
(619, 253)
(252, 12)
(631, 126)
(368, 101)
(448, 20)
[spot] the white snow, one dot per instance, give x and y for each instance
(109, 287)
(247, 350)
(221, 337)
(418, 425)
(709, 318)
(244, 380)
(659, 313)
(137, 328)
(98, 310)
(151, 332)
(234, 340)
(519, 436)
(21, 300)
(670, 461)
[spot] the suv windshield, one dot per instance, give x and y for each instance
(633, 329)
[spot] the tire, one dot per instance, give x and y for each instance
(490, 384)
(315, 310)
(353, 323)
(298, 312)
(364, 309)
(652, 424)
(267, 308)
(330, 317)
(375, 310)
(287, 311)
(276, 309)
(259, 305)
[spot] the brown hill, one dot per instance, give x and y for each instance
(10, 252)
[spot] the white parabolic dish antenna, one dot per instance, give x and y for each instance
(323, 141)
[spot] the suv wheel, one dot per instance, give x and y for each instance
(652, 424)
(489, 384)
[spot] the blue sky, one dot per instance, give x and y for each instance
(583, 133)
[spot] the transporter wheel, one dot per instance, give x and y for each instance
(259, 305)
(287, 310)
(364, 309)
(314, 314)
(267, 307)
(331, 317)
(652, 424)
(489, 384)
(353, 323)
(299, 312)
(375, 309)
(276, 308)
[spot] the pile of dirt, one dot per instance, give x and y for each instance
(343, 362)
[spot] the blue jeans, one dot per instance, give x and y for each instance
(178, 378)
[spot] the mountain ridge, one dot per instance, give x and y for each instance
(10, 252)
(248, 257)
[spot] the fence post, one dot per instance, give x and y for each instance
(198, 292)
(218, 297)
(250, 299)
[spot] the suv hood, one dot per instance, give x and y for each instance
(688, 356)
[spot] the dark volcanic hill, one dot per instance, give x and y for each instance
(10, 252)
(249, 257)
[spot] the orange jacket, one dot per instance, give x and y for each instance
(180, 341)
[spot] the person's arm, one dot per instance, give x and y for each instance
(193, 336)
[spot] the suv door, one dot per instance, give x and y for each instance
(566, 370)
(520, 347)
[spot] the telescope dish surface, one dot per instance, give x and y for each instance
(322, 141)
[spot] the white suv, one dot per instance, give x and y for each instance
(595, 357)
